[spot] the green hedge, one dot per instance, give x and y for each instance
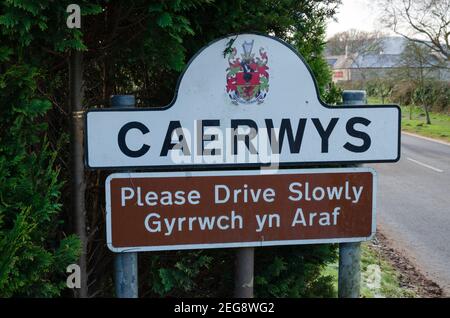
(33, 253)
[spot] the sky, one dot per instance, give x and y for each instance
(354, 14)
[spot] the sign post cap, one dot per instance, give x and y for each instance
(354, 97)
(123, 101)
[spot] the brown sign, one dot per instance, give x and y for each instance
(217, 209)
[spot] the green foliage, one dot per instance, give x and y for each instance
(402, 92)
(293, 271)
(290, 271)
(372, 260)
(333, 95)
(310, 42)
(413, 120)
(389, 282)
(29, 193)
(433, 93)
(33, 254)
(28, 22)
(425, 94)
(381, 88)
(178, 275)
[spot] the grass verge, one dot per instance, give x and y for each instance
(414, 121)
(378, 278)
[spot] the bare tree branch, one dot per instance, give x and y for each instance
(421, 21)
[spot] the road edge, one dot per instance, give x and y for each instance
(409, 274)
(426, 138)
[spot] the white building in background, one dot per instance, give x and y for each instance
(354, 67)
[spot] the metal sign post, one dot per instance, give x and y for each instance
(244, 276)
(349, 277)
(77, 165)
(349, 270)
(125, 264)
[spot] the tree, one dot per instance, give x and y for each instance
(421, 21)
(383, 88)
(34, 251)
(356, 45)
(355, 42)
(309, 39)
(34, 247)
(417, 64)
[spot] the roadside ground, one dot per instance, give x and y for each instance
(439, 128)
(386, 273)
(413, 121)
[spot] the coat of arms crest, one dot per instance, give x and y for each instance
(247, 76)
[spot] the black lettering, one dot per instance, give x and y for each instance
(175, 126)
(235, 123)
(350, 127)
(285, 127)
(201, 148)
(324, 133)
(122, 136)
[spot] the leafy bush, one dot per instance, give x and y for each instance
(381, 88)
(442, 100)
(403, 92)
(34, 250)
(351, 85)
(333, 95)
(33, 255)
(435, 94)
(288, 271)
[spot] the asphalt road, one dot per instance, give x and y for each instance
(413, 205)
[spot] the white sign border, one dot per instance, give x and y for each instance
(235, 173)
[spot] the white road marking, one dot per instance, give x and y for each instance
(425, 165)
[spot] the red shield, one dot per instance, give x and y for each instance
(247, 79)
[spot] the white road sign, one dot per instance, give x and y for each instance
(244, 100)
